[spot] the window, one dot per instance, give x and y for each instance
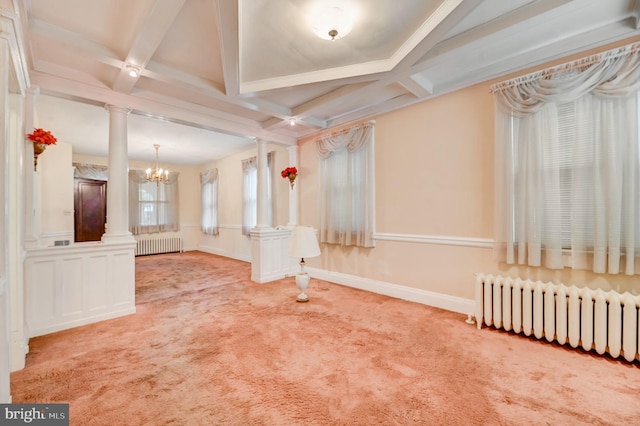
(347, 187)
(568, 166)
(153, 206)
(209, 202)
(250, 193)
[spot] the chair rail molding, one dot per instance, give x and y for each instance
(435, 239)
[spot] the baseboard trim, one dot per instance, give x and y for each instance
(120, 312)
(438, 300)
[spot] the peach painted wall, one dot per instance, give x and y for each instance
(54, 182)
(434, 179)
(230, 241)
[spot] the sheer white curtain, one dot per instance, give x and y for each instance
(153, 206)
(568, 164)
(209, 202)
(347, 186)
(250, 192)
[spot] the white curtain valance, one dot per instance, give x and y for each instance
(209, 176)
(615, 73)
(90, 171)
(352, 139)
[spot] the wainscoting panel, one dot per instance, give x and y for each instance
(269, 258)
(83, 283)
(95, 292)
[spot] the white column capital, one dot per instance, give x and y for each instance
(117, 109)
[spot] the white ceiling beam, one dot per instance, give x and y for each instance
(403, 71)
(371, 110)
(509, 20)
(417, 84)
(158, 21)
(229, 46)
(170, 108)
(435, 35)
(317, 122)
(78, 45)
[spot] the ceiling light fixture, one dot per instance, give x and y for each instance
(132, 70)
(292, 121)
(332, 23)
(157, 175)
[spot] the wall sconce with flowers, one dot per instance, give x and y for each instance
(41, 138)
(290, 173)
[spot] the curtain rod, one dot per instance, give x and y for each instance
(585, 62)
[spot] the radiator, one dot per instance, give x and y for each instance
(606, 322)
(158, 245)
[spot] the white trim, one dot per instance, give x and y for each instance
(436, 239)
(438, 300)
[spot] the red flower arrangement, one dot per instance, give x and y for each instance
(290, 173)
(42, 136)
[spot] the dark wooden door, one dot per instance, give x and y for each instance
(90, 204)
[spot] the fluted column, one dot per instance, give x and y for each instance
(263, 177)
(118, 191)
(293, 192)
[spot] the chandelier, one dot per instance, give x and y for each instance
(158, 175)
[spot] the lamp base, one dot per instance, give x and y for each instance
(302, 281)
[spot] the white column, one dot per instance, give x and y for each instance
(5, 311)
(263, 177)
(293, 192)
(118, 191)
(31, 190)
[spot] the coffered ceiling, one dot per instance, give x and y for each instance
(216, 74)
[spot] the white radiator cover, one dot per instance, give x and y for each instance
(159, 244)
(606, 322)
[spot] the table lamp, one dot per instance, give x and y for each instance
(303, 243)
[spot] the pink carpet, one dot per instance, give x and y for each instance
(209, 347)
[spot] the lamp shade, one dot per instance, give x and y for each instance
(303, 242)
